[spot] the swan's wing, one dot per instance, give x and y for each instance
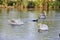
(9, 21)
(19, 21)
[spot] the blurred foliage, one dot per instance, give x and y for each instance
(1, 2)
(58, 0)
(56, 3)
(50, 3)
(31, 4)
(10, 3)
(0, 11)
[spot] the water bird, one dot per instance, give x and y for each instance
(42, 15)
(36, 20)
(59, 34)
(43, 27)
(15, 22)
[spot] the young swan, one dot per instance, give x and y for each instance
(43, 15)
(12, 21)
(42, 27)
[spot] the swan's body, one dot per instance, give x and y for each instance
(43, 27)
(15, 22)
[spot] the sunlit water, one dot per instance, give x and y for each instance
(29, 31)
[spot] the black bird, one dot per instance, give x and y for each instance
(35, 20)
(59, 34)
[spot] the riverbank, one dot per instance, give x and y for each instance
(21, 7)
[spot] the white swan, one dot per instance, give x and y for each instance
(43, 26)
(15, 22)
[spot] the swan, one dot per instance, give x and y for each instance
(15, 22)
(43, 26)
(43, 15)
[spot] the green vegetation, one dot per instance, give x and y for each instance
(11, 3)
(1, 2)
(58, 1)
(31, 4)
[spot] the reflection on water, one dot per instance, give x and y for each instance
(28, 31)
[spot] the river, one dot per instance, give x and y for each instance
(28, 31)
